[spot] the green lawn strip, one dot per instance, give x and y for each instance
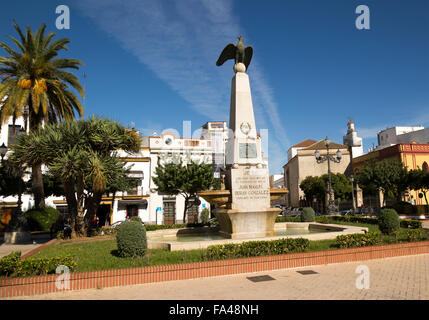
(101, 255)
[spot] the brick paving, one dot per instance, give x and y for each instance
(404, 277)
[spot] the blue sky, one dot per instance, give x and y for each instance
(151, 64)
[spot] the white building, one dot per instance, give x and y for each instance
(143, 201)
(395, 135)
(292, 152)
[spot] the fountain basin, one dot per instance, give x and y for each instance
(222, 198)
(201, 238)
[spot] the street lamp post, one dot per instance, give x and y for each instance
(332, 208)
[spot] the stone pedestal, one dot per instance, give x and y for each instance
(17, 237)
(236, 224)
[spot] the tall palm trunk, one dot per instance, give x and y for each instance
(36, 169)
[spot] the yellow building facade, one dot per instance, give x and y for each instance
(412, 155)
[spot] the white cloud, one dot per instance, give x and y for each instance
(180, 41)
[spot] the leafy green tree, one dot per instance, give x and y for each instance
(175, 178)
(9, 180)
(418, 180)
(35, 78)
(82, 154)
(313, 187)
(389, 176)
(341, 185)
(317, 187)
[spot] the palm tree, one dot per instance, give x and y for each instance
(35, 83)
(83, 155)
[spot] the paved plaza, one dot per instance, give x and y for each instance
(391, 278)
(6, 249)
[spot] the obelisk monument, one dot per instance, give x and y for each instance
(249, 214)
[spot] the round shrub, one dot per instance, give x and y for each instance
(308, 215)
(131, 239)
(41, 219)
(388, 221)
(137, 219)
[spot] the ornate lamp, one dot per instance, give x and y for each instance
(332, 208)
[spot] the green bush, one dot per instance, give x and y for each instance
(137, 219)
(388, 221)
(13, 266)
(416, 235)
(256, 248)
(408, 223)
(41, 219)
(205, 215)
(352, 219)
(358, 240)
(308, 215)
(131, 239)
(60, 235)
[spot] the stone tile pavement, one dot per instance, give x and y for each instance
(6, 249)
(391, 278)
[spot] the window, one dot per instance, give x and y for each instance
(14, 133)
(192, 143)
(169, 211)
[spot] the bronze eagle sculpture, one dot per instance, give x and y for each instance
(238, 52)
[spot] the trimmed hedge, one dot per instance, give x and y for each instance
(358, 240)
(308, 215)
(416, 235)
(256, 248)
(388, 221)
(41, 219)
(413, 224)
(12, 265)
(355, 219)
(131, 239)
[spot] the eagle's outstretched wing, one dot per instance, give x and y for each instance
(248, 53)
(227, 53)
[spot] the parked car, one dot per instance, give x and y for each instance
(117, 223)
(296, 212)
(318, 214)
(348, 212)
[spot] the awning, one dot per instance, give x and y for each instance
(132, 201)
